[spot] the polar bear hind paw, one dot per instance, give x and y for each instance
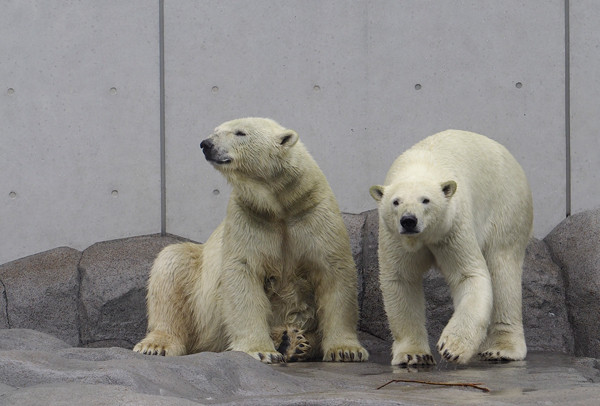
(158, 343)
(292, 344)
(267, 357)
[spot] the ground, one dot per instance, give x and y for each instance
(46, 370)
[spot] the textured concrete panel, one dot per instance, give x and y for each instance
(361, 84)
(79, 106)
(302, 64)
(585, 95)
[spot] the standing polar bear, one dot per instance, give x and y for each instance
(461, 202)
(276, 279)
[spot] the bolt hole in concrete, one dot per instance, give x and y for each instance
(12, 195)
(317, 88)
(10, 91)
(418, 86)
(115, 193)
(518, 85)
(113, 90)
(216, 192)
(215, 89)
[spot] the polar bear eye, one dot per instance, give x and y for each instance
(425, 201)
(240, 133)
(396, 202)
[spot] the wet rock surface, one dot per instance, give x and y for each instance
(48, 372)
(96, 298)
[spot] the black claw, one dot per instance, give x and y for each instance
(352, 356)
(333, 356)
(441, 347)
(341, 354)
(298, 351)
(360, 355)
(456, 358)
(163, 353)
(409, 357)
(261, 356)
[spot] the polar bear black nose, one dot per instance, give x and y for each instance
(207, 145)
(409, 222)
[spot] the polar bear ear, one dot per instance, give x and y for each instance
(376, 192)
(288, 138)
(449, 188)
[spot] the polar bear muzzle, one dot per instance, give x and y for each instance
(212, 154)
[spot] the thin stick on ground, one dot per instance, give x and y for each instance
(463, 384)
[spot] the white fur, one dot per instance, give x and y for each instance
(280, 258)
(474, 228)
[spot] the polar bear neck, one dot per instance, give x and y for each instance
(294, 190)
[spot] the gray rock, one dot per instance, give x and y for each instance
(355, 224)
(438, 304)
(29, 340)
(113, 290)
(106, 376)
(545, 316)
(41, 293)
(575, 246)
(373, 319)
(3, 306)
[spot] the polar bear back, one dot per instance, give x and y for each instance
(492, 186)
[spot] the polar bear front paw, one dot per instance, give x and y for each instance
(405, 359)
(159, 343)
(504, 346)
(455, 348)
(504, 353)
(346, 354)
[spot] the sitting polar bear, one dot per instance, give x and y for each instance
(460, 201)
(276, 279)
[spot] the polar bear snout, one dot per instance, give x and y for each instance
(212, 154)
(409, 223)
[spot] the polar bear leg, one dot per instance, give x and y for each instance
(470, 284)
(248, 312)
(335, 292)
(401, 281)
(169, 315)
(506, 340)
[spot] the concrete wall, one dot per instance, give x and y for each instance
(360, 81)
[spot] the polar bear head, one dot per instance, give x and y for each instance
(252, 147)
(415, 208)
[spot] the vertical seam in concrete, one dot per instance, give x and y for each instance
(567, 110)
(163, 163)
